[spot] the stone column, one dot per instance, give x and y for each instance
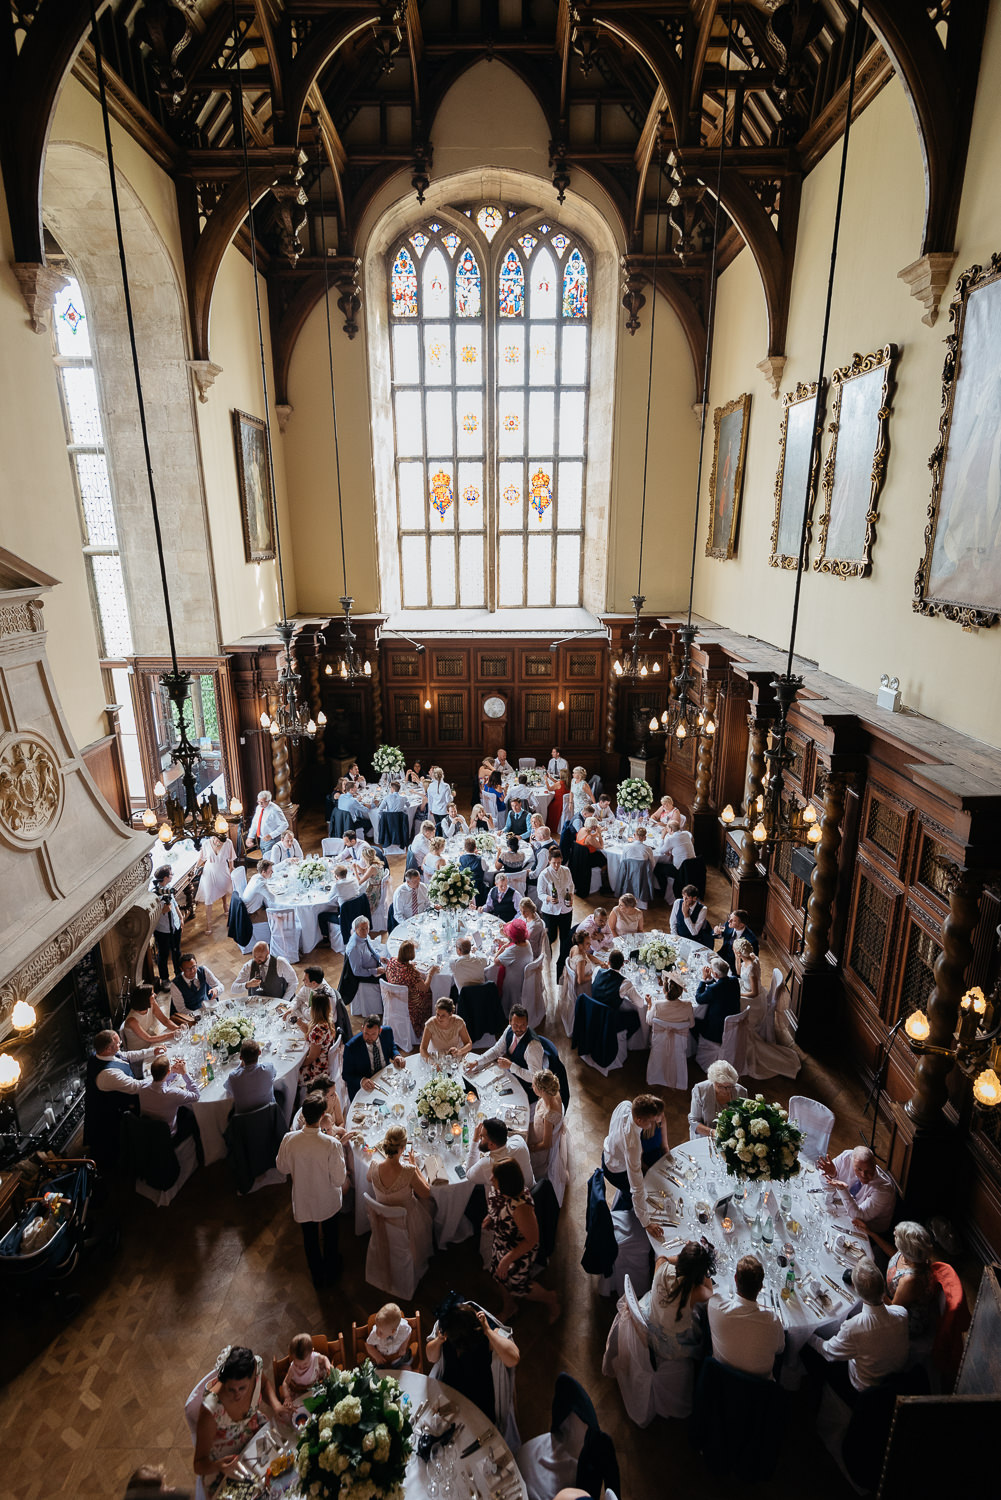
(704, 756)
(756, 767)
(824, 882)
(930, 1093)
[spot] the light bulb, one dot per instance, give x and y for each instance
(617, 667)
(656, 666)
(344, 670)
(759, 833)
(329, 670)
(654, 724)
(159, 790)
(809, 813)
(221, 826)
(427, 702)
(10, 1071)
(149, 818)
(986, 1088)
(166, 833)
(368, 669)
(974, 1000)
(700, 721)
(22, 1016)
(727, 815)
(681, 732)
(643, 670)
(274, 730)
(265, 721)
(321, 719)
(710, 726)
(760, 804)
(560, 706)
(311, 727)
(815, 834)
(236, 807)
(917, 1026)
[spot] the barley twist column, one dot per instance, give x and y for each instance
(756, 742)
(610, 707)
(281, 771)
(824, 881)
(930, 1092)
(316, 704)
(376, 699)
(704, 756)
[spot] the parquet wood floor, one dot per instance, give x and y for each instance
(87, 1402)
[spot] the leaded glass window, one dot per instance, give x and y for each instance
(85, 444)
(490, 329)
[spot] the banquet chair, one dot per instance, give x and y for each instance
(239, 878)
(331, 848)
(526, 763)
(692, 872)
(389, 1264)
(394, 830)
(380, 912)
(252, 1141)
(192, 1410)
(480, 1007)
(518, 881)
(634, 876)
(548, 1463)
(586, 877)
(160, 1166)
(335, 1070)
(816, 1122)
(239, 924)
(532, 994)
(396, 1015)
(340, 823)
(633, 1255)
(649, 1389)
(566, 1000)
(321, 1345)
(286, 934)
(358, 906)
(601, 1035)
(767, 1030)
(732, 1049)
(719, 1392)
(667, 1065)
(503, 1377)
(415, 1349)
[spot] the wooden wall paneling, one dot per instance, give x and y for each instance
(495, 665)
(537, 664)
(885, 827)
(103, 759)
(406, 718)
(449, 663)
(451, 718)
(583, 719)
(730, 765)
(540, 730)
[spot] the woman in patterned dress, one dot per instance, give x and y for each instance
(239, 1400)
(403, 970)
(321, 1035)
(511, 1216)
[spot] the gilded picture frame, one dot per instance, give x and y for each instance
(253, 477)
(959, 575)
(726, 482)
(798, 465)
(855, 467)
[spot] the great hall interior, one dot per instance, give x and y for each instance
(472, 377)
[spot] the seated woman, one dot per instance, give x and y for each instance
(434, 860)
(401, 1184)
(415, 776)
(332, 1122)
(493, 799)
(465, 1344)
(479, 821)
(547, 1124)
(511, 857)
(583, 962)
(592, 839)
(239, 1400)
(909, 1279)
(663, 812)
(719, 1088)
(511, 1216)
(514, 959)
(403, 970)
(625, 917)
(146, 1023)
(764, 1059)
(453, 824)
(681, 1283)
(446, 1032)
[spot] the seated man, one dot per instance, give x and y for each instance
(604, 811)
(613, 989)
(190, 989)
(875, 1342)
(517, 818)
(287, 847)
(265, 975)
(314, 983)
(493, 1142)
(678, 846)
(352, 848)
(639, 850)
(167, 1088)
(344, 888)
(348, 803)
(251, 1085)
(745, 1336)
(868, 1193)
(394, 801)
(110, 1090)
(257, 897)
(421, 846)
(733, 928)
(717, 997)
(471, 859)
(690, 919)
(518, 1050)
(410, 898)
(364, 956)
(367, 1054)
(500, 901)
(468, 967)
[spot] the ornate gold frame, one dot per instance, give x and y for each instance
(972, 280)
(718, 547)
(243, 421)
(861, 364)
(790, 399)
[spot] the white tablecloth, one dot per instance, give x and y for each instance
(306, 902)
(489, 1469)
(414, 798)
(393, 1102)
(427, 932)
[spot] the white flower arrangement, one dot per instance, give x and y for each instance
(312, 871)
(389, 760)
(757, 1142)
(231, 1032)
(634, 794)
(357, 1438)
(486, 843)
(440, 1098)
(451, 888)
(658, 955)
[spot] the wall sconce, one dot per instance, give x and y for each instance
(10, 1073)
(975, 1048)
(560, 707)
(427, 703)
(23, 1019)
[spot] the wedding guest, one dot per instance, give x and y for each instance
(167, 1090)
(439, 795)
(625, 918)
(511, 1216)
(681, 1283)
(479, 822)
(394, 801)
(368, 1052)
(718, 1089)
(745, 1336)
(584, 964)
(595, 925)
(590, 839)
(287, 847)
(663, 812)
(353, 848)
(399, 1184)
(216, 859)
(388, 1342)
(314, 982)
(733, 928)
(267, 825)
(420, 847)
(581, 796)
(511, 858)
(332, 1121)
(371, 873)
(307, 1368)
(453, 825)
(109, 1088)
(868, 1193)
(251, 1085)
(315, 1162)
(410, 898)
(320, 1034)
(365, 958)
(257, 897)
(169, 922)
(677, 848)
(468, 967)
(265, 975)
(635, 1140)
(192, 988)
(502, 764)
(668, 1004)
(909, 1279)
(434, 860)
(354, 776)
(557, 763)
(875, 1342)
(348, 803)
(239, 1400)
(517, 818)
(556, 893)
(518, 1050)
(764, 1059)
(492, 1143)
(403, 971)
(603, 810)
(145, 1024)
(689, 918)
(415, 776)
(513, 961)
(500, 901)
(466, 1343)
(492, 795)
(534, 925)
(548, 1120)
(639, 850)
(717, 996)
(445, 1033)
(470, 859)
(612, 988)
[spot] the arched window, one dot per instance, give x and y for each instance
(490, 321)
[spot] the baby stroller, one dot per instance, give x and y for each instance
(42, 1251)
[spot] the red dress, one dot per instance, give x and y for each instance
(418, 993)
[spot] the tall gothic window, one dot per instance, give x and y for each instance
(85, 444)
(490, 313)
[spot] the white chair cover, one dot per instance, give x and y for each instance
(771, 1003)
(566, 1001)
(667, 1065)
(286, 934)
(187, 1160)
(396, 1014)
(335, 1070)
(734, 1048)
(816, 1122)
(618, 1060)
(532, 996)
(380, 911)
(633, 1259)
(330, 848)
(634, 876)
(627, 1359)
(548, 1463)
(519, 882)
(366, 995)
(526, 763)
(541, 862)
(389, 1264)
(558, 1165)
(240, 879)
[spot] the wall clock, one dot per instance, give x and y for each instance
(494, 707)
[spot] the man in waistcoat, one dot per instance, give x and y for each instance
(110, 1090)
(522, 1052)
(612, 988)
(264, 976)
(192, 987)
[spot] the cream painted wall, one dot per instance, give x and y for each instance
(859, 628)
(490, 118)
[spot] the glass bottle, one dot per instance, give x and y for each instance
(768, 1230)
(756, 1230)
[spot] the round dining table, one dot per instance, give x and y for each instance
(306, 901)
(393, 1101)
(371, 794)
(427, 932)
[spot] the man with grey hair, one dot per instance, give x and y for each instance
(267, 825)
(717, 997)
(364, 957)
(868, 1193)
(874, 1343)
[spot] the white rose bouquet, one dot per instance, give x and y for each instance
(389, 760)
(634, 794)
(231, 1032)
(757, 1142)
(451, 888)
(486, 843)
(313, 871)
(357, 1438)
(658, 955)
(440, 1098)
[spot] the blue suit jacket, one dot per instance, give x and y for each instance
(721, 997)
(357, 1062)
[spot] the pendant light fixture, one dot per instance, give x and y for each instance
(775, 818)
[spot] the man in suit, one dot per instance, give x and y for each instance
(110, 1089)
(500, 902)
(367, 1054)
(612, 988)
(733, 928)
(267, 825)
(717, 996)
(517, 818)
(363, 956)
(471, 860)
(410, 898)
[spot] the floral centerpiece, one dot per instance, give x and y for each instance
(388, 760)
(441, 1098)
(231, 1032)
(486, 843)
(312, 871)
(356, 1439)
(658, 955)
(451, 888)
(634, 794)
(757, 1142)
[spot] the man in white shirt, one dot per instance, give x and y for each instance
(522, 1058)
(251, 1085)
(556, 893)
(622, 1153)
(165, 1090)
(875, 1342)
(421, 846)
(557, 762)
(109, 1089)
(868, 1194)
(410, 898)
(315, 1162)
(690, 919)
(351, 852)
(491, 1143)
(257, 898)
(267, 825)
(468, 967)
(638, 849)
(193, 987)
(312, 984)
(345, 887)
(287, 847)
(265, 976)
(745, 1336)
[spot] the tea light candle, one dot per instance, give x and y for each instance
(456, 1129)
(728, 1225)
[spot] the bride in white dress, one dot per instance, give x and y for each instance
(216, 861)
(398, 1185)
(764, 1059)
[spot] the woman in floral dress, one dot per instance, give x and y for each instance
(239, 1400)
(403, 970)
(511, 1216)
(321, 1035)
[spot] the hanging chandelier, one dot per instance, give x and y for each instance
(290, 717)
(634, 662)
(350, 666)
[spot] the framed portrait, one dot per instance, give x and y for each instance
(727, 479)
(801, 408)
(856, 463)
(959, 575)
(253, 474)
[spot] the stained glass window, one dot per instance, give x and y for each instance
(85, 442)
(508, 470)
